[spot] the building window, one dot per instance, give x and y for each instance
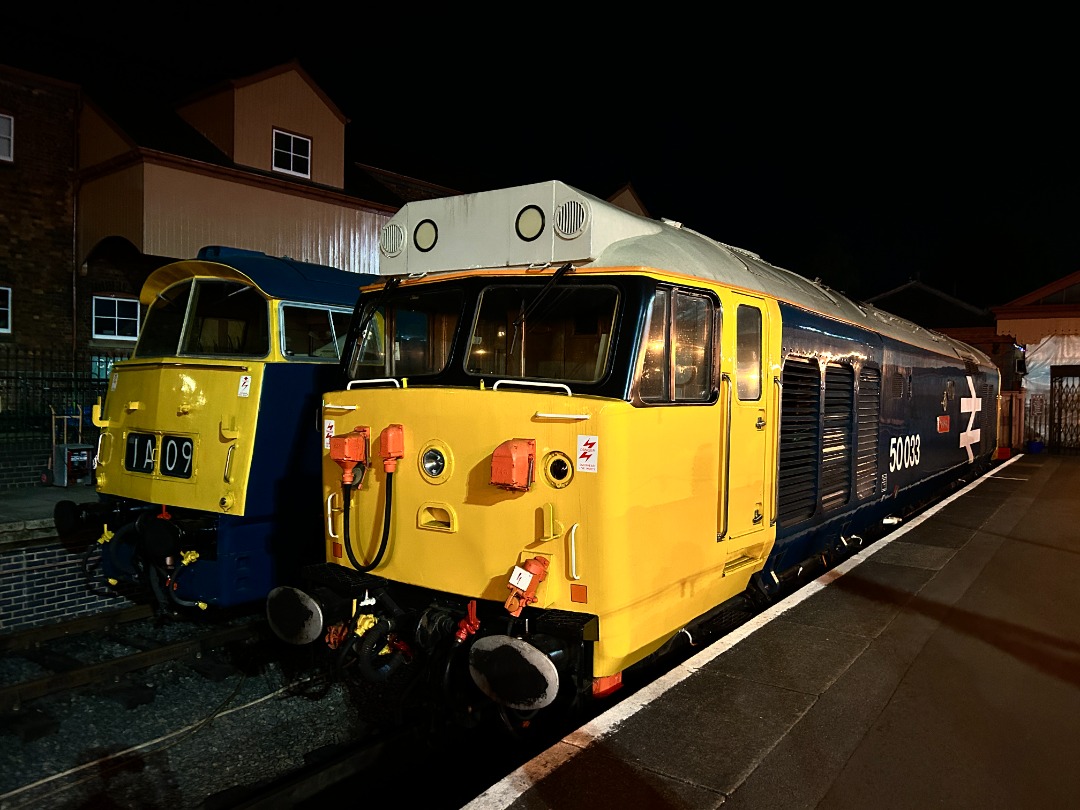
(7, 137)
(292, 154)
(5, 310)
(116, 318)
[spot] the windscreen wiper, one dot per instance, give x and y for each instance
(519, 324)
(562, 271)
(360, 325)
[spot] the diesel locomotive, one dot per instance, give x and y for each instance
(207, 465)
(568, 435)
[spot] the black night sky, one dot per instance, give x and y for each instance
(862, 152)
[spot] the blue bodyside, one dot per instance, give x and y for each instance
(907, 422)
(243, 571)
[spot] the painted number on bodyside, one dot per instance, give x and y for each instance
(904, 452)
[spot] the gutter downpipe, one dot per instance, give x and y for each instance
(75, 229)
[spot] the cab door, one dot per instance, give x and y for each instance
(749, 394)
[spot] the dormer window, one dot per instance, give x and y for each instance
(7, 138)
(292, 154)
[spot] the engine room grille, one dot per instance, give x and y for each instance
(866, 472)
(836, 435)
(898, 378)
(800, 429)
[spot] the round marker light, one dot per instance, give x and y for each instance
(558, 469)
(434, 462)
(426, 235)
(530, 223)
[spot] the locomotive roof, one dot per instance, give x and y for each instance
(275, 277)
(552, 223)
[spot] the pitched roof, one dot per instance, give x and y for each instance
(1065, 290)
(930, 307)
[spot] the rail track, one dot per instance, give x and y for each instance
(60, 651)
(290, 748)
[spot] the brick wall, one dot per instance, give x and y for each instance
(37, 208)
(21, 467)
(42, 582)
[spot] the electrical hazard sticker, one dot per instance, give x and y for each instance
(587, 447)
(327, 432)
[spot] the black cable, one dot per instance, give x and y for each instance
(363, 569)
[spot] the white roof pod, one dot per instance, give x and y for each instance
(552, 223)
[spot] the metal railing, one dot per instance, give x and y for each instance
(38, 385)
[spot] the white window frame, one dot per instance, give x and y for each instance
(7, 137)
(5, 307)
(116, 318)
(289, 156)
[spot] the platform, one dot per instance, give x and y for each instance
(939, 667)
(26, 513)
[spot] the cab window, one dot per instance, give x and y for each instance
(748, 353)
(678, 362)
(312, 333)
(411, 334)
(226, 319)
(543, 333)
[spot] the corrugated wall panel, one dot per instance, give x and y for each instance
(111, 206)
(185, 211)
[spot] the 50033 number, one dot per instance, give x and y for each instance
(904, 452)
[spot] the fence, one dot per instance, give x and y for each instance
(44, 393)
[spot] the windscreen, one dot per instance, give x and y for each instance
(542, 332)
(206, 318)
(409, 334)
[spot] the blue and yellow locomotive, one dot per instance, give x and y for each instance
(207, 466)
(571, 434)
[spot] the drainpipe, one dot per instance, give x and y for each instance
(74, 230)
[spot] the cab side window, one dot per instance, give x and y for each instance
(678, 362)
(310, 333)
(748, 353)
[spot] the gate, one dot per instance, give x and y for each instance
(1064, 432)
